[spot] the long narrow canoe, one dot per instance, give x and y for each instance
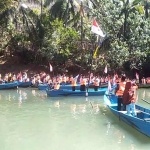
(65, 92)
(69, 86)
(141, 122)
(11, 85)
(24, 84)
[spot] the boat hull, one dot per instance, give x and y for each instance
(69, 86)
(11, 85)
(141, 122)
(24, 84)
(58, 93)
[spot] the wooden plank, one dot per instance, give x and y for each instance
(136, 111)
(146, 119)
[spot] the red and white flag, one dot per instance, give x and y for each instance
(109, 86)
(50, 67)
(105, 70)
(137, 76)
(96, 29)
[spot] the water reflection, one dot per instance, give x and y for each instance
(57, 104)
(73, 108)
(37, 93)
(82, 108)
(108, 128)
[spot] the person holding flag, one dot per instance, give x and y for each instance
(50, 68)
(137, 77)
(74, 82)
(105, 70)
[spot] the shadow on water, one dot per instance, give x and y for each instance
(126, 129)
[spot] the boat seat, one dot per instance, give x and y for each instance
(146, 119)
(124, 112)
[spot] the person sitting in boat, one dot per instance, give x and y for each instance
(6, 78)
(74, 83)
(83, 83)
(143, 80)
(63, 80)
(24, 77)
(56, 86)
(1, 81)
(96, 83)
(129, 98)
(71, 79)
(9, 77)
(119, 92)
(148, 80)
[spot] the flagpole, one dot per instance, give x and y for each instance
(81, 7)
(91, 62)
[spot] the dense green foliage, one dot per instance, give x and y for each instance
(50, 31)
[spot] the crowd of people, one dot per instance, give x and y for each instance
(125, 89)
(57, 80)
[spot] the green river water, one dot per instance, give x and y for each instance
(29, 120)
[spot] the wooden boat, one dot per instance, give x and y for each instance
(24, 84)
(11, 85)
(65, 92)
(141, 122)
(69, 86)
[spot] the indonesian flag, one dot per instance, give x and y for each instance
(137, 76)
(50, 67)
(105, 70)
(109, 86)
(96, 29)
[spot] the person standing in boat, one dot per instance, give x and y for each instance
(82, 83)
(129, 97)
(96, 83)
(56, 86)
(74, 83)
(119, 92)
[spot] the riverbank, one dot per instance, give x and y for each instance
(13, 66)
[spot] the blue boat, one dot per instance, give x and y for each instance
(141, 122)
(11, 85)
(44, 86)
(65, 92)
(24, 84)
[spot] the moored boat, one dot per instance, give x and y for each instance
(140, 122)
(24, 84)
(65, 92)
(44, 86)
(10, 85)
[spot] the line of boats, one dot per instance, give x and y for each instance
(65, 90)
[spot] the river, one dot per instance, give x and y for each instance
(29, 120)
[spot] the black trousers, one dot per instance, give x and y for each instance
(120, 102)
(73, 88)
(82, 88)
(96, 88)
